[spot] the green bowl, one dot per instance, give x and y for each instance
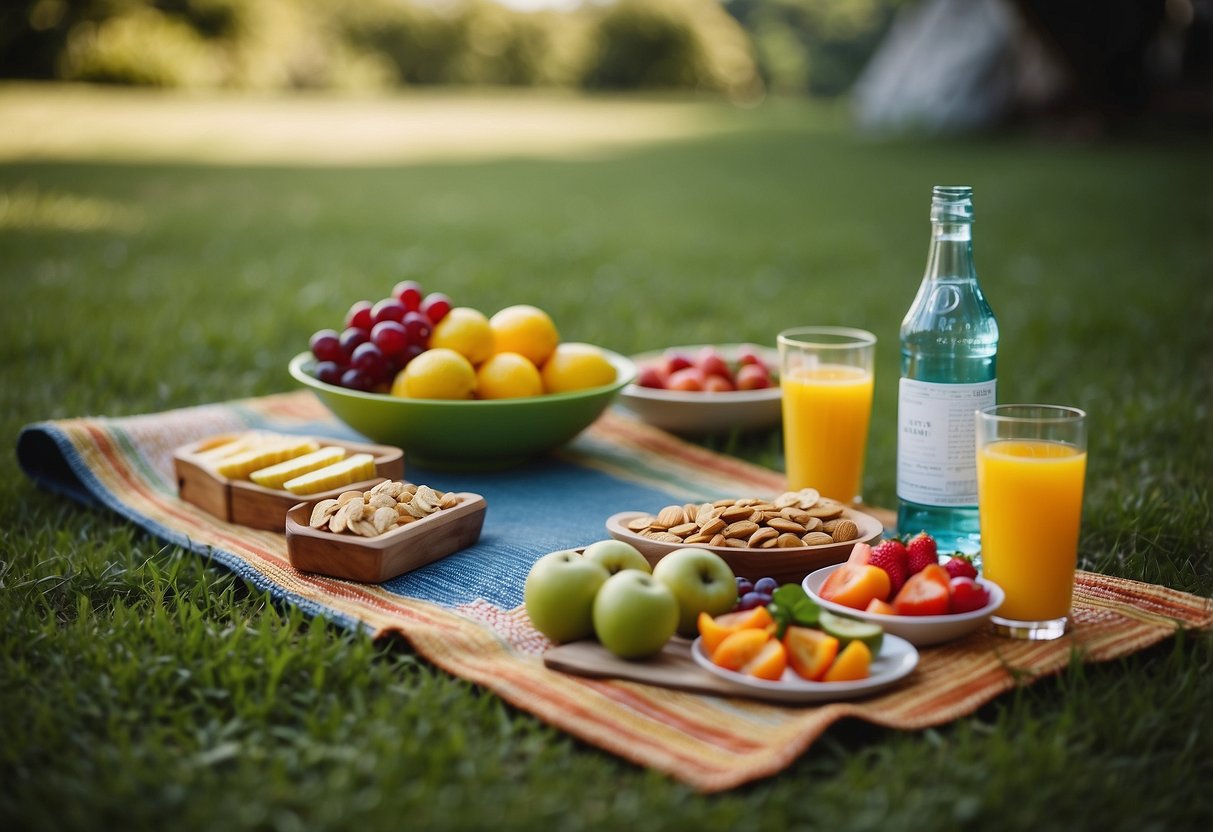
(467, 435)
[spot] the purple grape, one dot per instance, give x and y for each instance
(753, 599)
(355, 379)
(351, 337)
(370, 360)
(744, 586)
(328, 371)
(767, 586)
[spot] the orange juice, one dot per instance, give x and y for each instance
(825, 428)
(1030, 502)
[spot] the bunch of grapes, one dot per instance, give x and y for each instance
(379, 339)
(751, 594)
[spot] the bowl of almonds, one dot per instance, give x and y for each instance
(374, 535)
(785, 537)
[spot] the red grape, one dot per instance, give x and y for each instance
(412, 351)
(355, 379)
(743, 586)
(359, 315)
(388, 309)
(352, 337)
(409, 294)
(390, 337)
(326, 346)
(328, 371)
(417, 328)
(370, 360)
(435, 306)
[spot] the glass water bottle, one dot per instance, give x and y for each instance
(949, 343)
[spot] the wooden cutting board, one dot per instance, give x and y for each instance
(673, 667)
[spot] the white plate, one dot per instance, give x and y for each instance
(680, 411)
(896, 660)
(921, 630)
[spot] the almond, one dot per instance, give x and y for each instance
(845, 530)
(817, 539)
(740, 529)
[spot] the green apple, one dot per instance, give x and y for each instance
(616, 556)
(559, 595)
(634, 615)
(701, 581)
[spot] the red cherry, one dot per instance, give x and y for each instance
(408, 292)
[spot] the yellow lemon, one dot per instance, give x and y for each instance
(436, 374)
(576, 367)
(526, 330)
(508, 375)
(466, 331)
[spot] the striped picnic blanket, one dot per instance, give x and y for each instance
(464, 613)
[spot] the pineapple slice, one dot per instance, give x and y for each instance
(240, 465)
(276, 475)
(352, 469)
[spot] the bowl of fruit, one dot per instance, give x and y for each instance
(454, 388)
(908, 591)
(706, 388)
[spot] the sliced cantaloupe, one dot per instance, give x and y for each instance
(240, 465)
(352, 469)
(276, 475)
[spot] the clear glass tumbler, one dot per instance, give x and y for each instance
(827, 377)
(1031, 467)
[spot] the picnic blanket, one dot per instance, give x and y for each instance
(464, 613)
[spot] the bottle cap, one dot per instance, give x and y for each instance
(952, 204)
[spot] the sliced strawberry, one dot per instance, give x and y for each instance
(920, 552)
(880, 607)
(960, 566)
(968, 595)
(926, 593)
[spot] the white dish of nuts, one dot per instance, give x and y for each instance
(785, 537)
(374, 535)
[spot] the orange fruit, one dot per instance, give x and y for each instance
(576, 366)
(508, 375)
(810, 652)
(770, 662)
(466, 331)
(436, 374)
(880, 607)
(852, 664)
(740, 648)
(526, 330)
(715, 630)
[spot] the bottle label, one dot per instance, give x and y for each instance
(937, 443)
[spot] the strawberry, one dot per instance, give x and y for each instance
(960, 566)
(890, 555)
(967, 595)
(920, 552)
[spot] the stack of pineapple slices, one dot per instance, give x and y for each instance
(300, 466)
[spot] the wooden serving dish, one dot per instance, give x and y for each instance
(377, 559)
(784, 565)
(248, 504)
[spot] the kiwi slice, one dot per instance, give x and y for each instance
(847, 630)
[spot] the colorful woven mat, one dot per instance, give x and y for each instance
(463, 613)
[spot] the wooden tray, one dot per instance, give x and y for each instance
(784, 565)
(377, 559)
(248, 504)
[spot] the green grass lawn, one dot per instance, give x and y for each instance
(140, 687)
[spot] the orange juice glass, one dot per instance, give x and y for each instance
(826, 374)
(1031, 466)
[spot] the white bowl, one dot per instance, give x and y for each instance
(919, 630)
(679, 411)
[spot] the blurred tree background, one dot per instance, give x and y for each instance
(739, 48)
